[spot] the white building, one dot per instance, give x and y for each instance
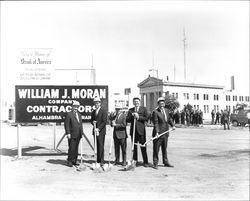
(200, 96)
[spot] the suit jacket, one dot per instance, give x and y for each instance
(101, 120)
(160, 124)
(120, 130)
(140, 123)
(72, 126)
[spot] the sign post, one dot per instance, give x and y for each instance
(19, 143)
(54, 136)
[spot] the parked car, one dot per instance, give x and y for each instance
(239, 117)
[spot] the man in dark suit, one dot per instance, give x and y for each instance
(161, 120)
(140, 115)
(119, 135)
(99, 116)
(74, 132)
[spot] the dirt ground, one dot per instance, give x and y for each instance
(210, 164)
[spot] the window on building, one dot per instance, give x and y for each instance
(196, 96)
(205, 111)
(176, 95)
(234, 98)
(186, 96)
(217, 107)
(216, 97)
(205, 96)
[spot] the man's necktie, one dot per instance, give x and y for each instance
(164, 114)
(117, 117)
(96, 112)
(77, 116)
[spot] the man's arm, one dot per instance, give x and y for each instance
(144, 116)
(130, 117)
(156, 122)
(67, 125)
(103, 121)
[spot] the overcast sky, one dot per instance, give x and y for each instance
(124, 37)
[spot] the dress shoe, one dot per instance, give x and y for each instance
(168, 165)
(124, 163)
(70, 164)
(76, 163)
(116, 163)
(155, 167)
(146, 165)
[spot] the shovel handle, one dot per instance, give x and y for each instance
(152, 139)
(95, 148)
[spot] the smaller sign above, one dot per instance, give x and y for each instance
(35, 64)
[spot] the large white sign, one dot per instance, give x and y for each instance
(35, 65)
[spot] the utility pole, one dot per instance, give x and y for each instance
(174, 72)
(184, 45)
(93, 73)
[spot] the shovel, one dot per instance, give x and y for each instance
(153, 138)
(81, 167)
(107, 167)
(132, 164)
(95, 166)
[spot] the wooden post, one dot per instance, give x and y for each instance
(19, 143)
(54, 135)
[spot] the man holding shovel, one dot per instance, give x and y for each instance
(161, 121)
(119, 135)
(74, 132)
(138, 116)
(99, 121)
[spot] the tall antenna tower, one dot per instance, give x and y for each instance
(174, 73)
(184, 45)
(93, 73)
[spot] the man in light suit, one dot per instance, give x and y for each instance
(99, 115)
(161, 120)
(140, 115)
(119, 135)
(74, 132)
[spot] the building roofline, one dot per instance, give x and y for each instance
(178, 84)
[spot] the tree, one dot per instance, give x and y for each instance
(172, 103)
(188, 107)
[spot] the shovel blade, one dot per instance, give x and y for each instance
(107, 167)
(130, 166)
(81, 168)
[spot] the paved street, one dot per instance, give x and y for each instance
(210, 164)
